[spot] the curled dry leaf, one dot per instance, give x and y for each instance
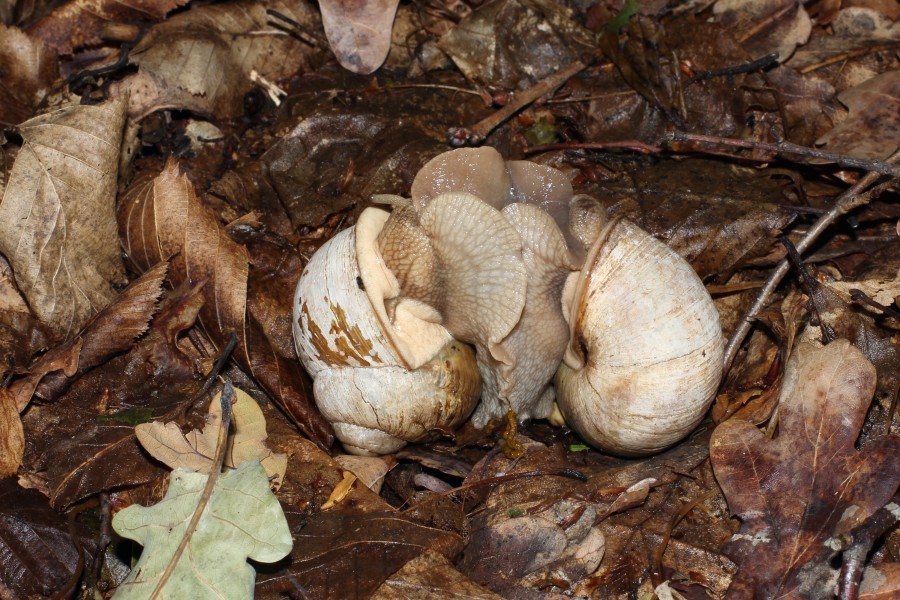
(196, 449)
(242, 520)
(12, 435)
(164, 218)
(201, 59)
(57, 215)
(809, 483)
(29, 68)
(359, 31)
(80, 22)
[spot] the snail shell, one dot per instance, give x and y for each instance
(645, 355)
(381, 381)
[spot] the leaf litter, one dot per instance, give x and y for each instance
(215, 147)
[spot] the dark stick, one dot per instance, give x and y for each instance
(476, 134)
(849, 200)
(757, 65)
(782, 148)
(810, 284)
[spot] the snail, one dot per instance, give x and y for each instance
(381, 382)
(646, 350)
(500, 255)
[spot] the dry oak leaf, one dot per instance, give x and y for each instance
(243, 519)
(794, 492)
(196, 449)
(57, 215)
(202, 59)
(80, 22)
(359, 31)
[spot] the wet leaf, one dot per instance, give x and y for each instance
(80, 22)
(809, 483)
(767, 26)
(57, 219)
(359, 31)
(29, 69)
(202, 59)
(83, 453)
(195, 450)
(427, 576)
(163, 218)
(37, 556)
(242, 520)
(872, 130)
(515, 43)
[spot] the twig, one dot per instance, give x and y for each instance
(635, 145)
(811, 287)
(860, 297)
(857, 544)
(849, 200)
(782, 148)
(68, 590)
(227, 399)
(757, 65)
(475, 135)
(847, 55)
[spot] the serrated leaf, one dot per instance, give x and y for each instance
(242, 520)
(195, 450)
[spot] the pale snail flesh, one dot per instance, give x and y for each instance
(382, 382)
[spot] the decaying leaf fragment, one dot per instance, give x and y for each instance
(196, 449)
(873, 128)
(242, 520)
(359, 31)
(57, 215)
(808, 484)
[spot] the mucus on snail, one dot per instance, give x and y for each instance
(500, 255)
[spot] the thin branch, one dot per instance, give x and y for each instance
(786, 148)
(476, 134)
(849, 200)
(228, 397)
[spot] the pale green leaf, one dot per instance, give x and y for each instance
(242, 520)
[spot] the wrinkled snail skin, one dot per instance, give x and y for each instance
(646, 353)
(380, 382)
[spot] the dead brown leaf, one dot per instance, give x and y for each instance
(202, 59)
(872, 130)
(85, 440)
(359, 31)
(36, 549)
(431, 575)
(794, 492)
(164, 218)
(12, 439)
(80, 22)
(195, 450)
(57, 216)
(766, 26)
(29, 69)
